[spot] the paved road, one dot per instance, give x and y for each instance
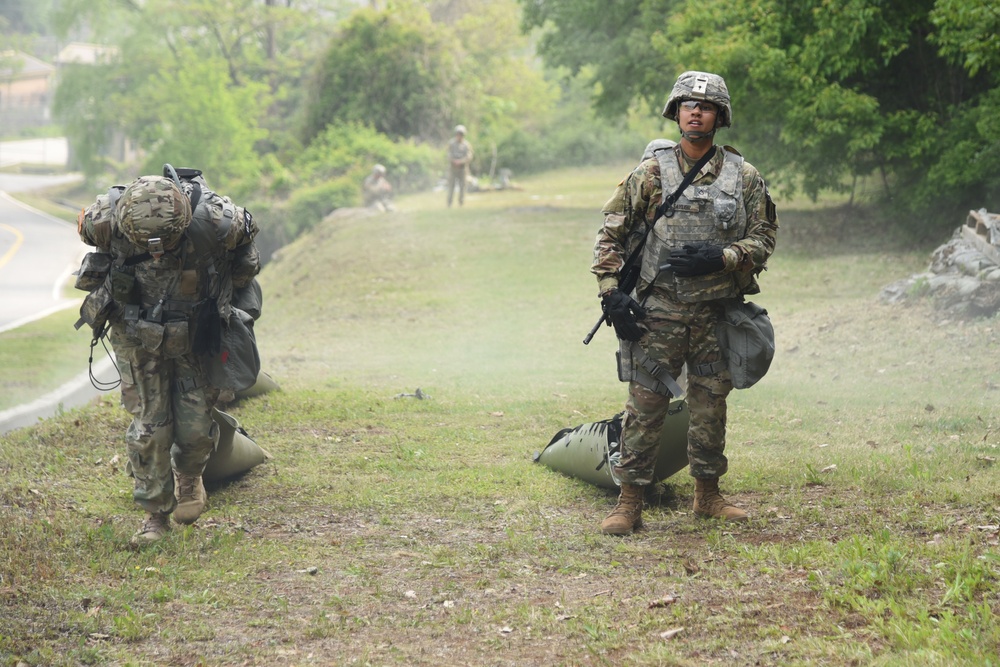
(38, 254)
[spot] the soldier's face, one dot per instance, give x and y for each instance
(697, 116)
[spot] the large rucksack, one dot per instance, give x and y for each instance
(221, 331)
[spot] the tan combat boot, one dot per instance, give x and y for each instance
(153, 528)
(627, 514)
(191, 497)
(708, 502)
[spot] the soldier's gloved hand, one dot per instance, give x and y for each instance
(623, 311)
(696, 260)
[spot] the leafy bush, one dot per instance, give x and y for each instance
(582, 142)
(312, 203)
(398, 71)
(344, 149)
(327, 175)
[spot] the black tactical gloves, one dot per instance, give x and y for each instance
(696, 260)
(623, 311)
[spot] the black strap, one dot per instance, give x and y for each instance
(195, 195)
(136, 259)
(629, 266)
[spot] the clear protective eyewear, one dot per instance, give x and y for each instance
(706, 107)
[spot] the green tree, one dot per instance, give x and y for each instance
(823, 91)
(608, 42)
(85, 102)
(24, 16)
(506, 93)
(184, 86)
(211, 126)
(396, 71)
(250, 42)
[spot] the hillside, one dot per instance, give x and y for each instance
(394, 530)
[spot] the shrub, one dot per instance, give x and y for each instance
(310, 204)
(352, 148)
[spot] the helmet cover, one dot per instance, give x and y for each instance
(701, 86)
(153, 213)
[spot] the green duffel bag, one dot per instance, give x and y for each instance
(235, 453)
(588, 450)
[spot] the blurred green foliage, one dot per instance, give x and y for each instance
(350, 149)
(397, 71)
(823, 92)
(268, 98)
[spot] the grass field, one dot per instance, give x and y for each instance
(389, 530)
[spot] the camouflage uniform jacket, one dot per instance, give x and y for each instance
(459, 150)
(631, 211)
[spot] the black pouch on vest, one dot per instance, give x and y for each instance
(207, 329)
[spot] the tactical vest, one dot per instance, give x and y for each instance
(172, 304)
(180, 280)
(712, 213)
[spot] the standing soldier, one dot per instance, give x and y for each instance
(171, 254)
(709, 227)
(459, 157)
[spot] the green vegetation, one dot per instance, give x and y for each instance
(866, 457)
(286, 106)
(824, 92)
(398, 71)
(40, 356)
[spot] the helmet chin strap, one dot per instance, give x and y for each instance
(697, 136)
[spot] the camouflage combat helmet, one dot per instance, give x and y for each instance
(153, 213)
(701, 86)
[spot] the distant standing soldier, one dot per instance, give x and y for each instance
(378, 190)
(173, 254)
(706, 245)
(459, 156)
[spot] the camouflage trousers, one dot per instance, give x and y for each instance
(172, 428)
(456, 176)
(676, 333)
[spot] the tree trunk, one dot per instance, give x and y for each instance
(270, 31)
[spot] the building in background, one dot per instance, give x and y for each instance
(82, 54)
(26, 85)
